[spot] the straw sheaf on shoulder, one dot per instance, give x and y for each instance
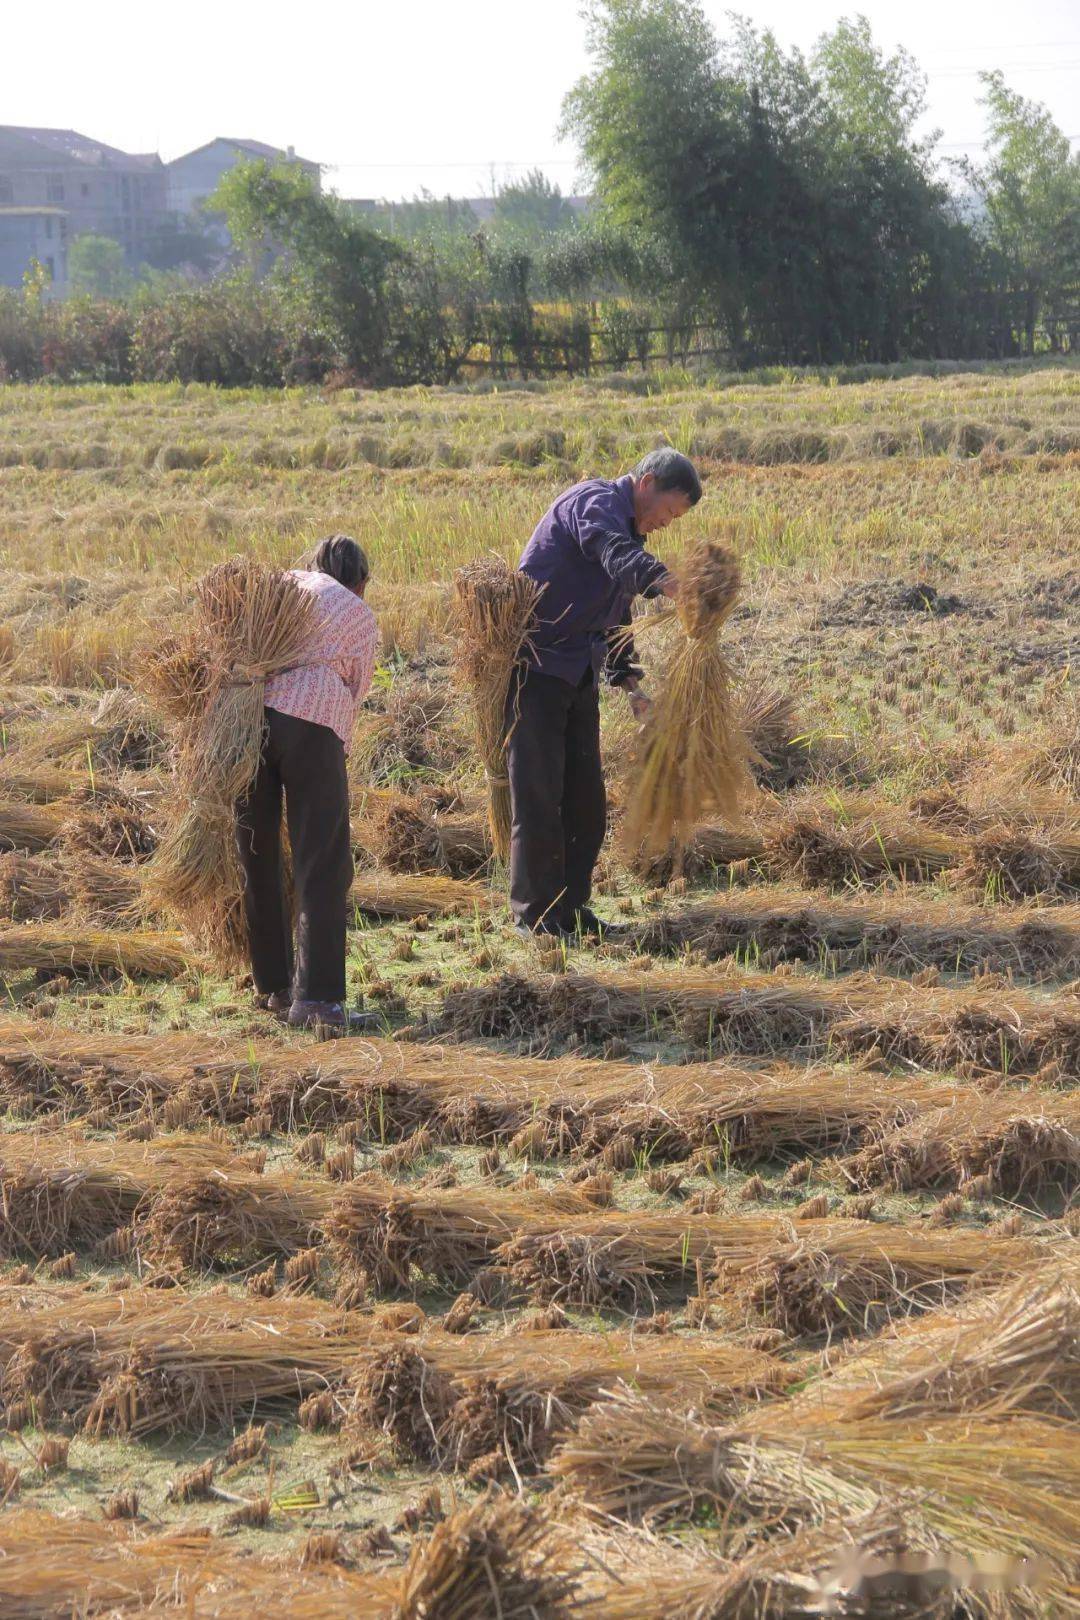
(251, 622)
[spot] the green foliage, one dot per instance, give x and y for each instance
(770, 207)
(1031, 190)
(188, 245)
(532, 209)
(334, 263)
(97, 267)
(425, 218)
(800, 213)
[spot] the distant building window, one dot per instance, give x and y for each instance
(48, 226)
(54, 188)
(50, 267)
(125, 191)
(7, 190)
(84, 189)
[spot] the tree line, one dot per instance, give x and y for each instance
(763, 206)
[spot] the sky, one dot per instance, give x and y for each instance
(452, 96)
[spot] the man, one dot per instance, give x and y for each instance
(587, 552)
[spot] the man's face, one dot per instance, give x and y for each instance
(655, 508)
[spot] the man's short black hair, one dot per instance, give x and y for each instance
(671, 471)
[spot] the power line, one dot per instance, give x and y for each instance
(463, 163)
(1014, 68)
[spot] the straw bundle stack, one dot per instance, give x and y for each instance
(498, 1556)
(109, 822)
(1014, 862)
(1026, 1145)
(29, 827)
(736, 1012)
(30, 949)
(251, 623)
(147, 1359)
(515, 1393)
(409, 836)
(971, 1485)
(40, 785)
(823, 843)
(849, 1276)
(1015, 1349)
(106, 892)
(31, 889)
(391, 895)
(60, 1192)
(889, 933)
(694, 758)
(477, 1097)
(495, 606)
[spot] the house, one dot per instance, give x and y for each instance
(100, 189)
(28, 233)
(194, 176)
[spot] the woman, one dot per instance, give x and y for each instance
(309, 721)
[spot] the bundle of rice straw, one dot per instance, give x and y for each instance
(251, 622)
(495, 609)
(31, 889)
(693, 759)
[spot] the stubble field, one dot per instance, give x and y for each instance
(729, 1268)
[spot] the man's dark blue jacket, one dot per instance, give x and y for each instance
(588, 555)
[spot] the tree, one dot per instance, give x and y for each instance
(426, 218)
(1031, 190)
(333, 261)
(532, 208)
(186, 244)
(800, 213)
(97, 267)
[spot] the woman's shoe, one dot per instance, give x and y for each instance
(277, 1002)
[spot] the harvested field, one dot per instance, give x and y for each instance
(756, 1013)
(724, 1267)
(750, 1112)
(899, 936)
(562, 1248)
(819, 843)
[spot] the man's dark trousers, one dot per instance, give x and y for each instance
(557, 792)
(306, 763)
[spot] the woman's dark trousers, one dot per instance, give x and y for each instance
(305, 763)
(557, 794)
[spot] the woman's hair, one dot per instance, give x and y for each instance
(343, 559)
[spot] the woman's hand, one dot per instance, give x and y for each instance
(669, 587)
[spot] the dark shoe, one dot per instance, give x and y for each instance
(330, 1016)
(277, 1002)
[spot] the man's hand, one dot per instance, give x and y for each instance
(669, 587)
(640, 705)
